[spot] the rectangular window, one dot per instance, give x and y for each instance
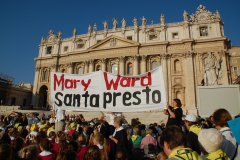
(99, 41)
(65, 49)
(153, 37)
(49, 50)
(236, 71)
(129, 37)
(80, 46)
(175, 36)
(203, 31)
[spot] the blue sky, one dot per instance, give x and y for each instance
(24, 22)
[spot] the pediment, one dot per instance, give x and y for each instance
(114, 42)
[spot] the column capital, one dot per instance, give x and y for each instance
(103, 60)
(37, 68)
(91, 61)
(222, 53)
(189, 54)
(165, 56)
(143, 57)
(135, 57)
(121, 59)
(70, 64)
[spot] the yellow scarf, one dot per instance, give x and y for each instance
(148, 135)
(49, 130)
(184, 153)
(195, 129)
(134, 138)
(219, 154)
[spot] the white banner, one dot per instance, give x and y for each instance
(103, 91)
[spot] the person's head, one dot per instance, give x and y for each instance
(85, 128)
(30, 152)
(220, 118)
(81, 140)
(121, 154)
(172, 137)
(135, 131)
(117, 122)
(93, 153)
(177, 103)
(190, 120)
(98, 139)
(45, 145)
(149, 131)
(6, 152)
(18, 144)
(134, 122)
(210, 140)
(67, 154)
(52, 135)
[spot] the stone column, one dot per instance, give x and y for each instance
(224, 72)
(165, 74)
(35, 86)
(190, 90)
(122, 66)
(70, 67)
(91, 65)
(135, 64)
(143, 68)
(103, 64)
(86, 67)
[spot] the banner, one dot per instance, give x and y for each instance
(103, 91)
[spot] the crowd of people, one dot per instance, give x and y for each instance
(70, 137)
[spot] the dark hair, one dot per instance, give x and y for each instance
(93, 153)
(66, 155)
(220, 117)
(46, 144)
(178, 101)
(6, 152)
(174, 136)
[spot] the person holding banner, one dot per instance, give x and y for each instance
(118, 139)
(60, 120)
(174, 113)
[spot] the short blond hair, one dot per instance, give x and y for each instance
(118, 120)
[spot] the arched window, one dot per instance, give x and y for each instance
(154, 64)
(80, 70)
(177, 66)
(129, 69)
(114, 68)
(98, 68)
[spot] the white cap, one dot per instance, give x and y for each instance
(191, 118)
(210, 139)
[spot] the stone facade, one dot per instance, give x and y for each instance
(20, 95)
(180, 48)
(234, 53)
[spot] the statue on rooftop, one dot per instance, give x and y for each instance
(115, 23)
(124, 23)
